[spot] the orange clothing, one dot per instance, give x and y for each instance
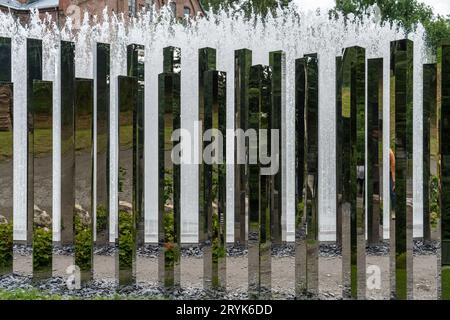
(392, 164)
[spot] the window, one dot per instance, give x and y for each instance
(131, 7)
(187, 11)
(173, 8)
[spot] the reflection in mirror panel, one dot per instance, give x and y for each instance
(307, 240)
(169, 181)
(259, 238)
(34, 72)
(242, 64)
(102, 100)
(5, 59)
(83, 224)
(171, 60)
(214, 173)
(41, 157)
(430, 146)
(375, 150)
(67, 74)
(136, 68)
(277, 61)
(339, 135)
(401, 176)
(353, 165)
(206, 61)
(443, 123)
(6, 177)
(126, 259)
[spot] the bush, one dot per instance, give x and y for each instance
(42, 248)
(6, 245)
(102, 218)
(83, 245)
(126, 240)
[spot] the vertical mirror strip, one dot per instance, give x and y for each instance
(126, 259)
(34, 72)
(214, 154)
(259, 238)
(67, 140)
(429, 148)
(102, 100)
(277, 61)
(206, 61)
(6, 157)
(339, 137)
(375, 150)
(136, 68)
(41, 154)
(353, 164)
(83, 222)
(169, 172)
(443, 162)
(242, 64)
(401, 162)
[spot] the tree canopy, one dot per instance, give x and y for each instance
(258, 6)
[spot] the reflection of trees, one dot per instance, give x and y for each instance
(6, 112)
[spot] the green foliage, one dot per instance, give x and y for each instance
(121, 178)
(434, 201)
(42, 248)
(408, 13)
(102, 217)
(257, 6)
(126, 240)
(168, 187)
(218, 249)
(6, 245)
(83, 245)
(171, 251)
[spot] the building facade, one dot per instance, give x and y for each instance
(61, 9)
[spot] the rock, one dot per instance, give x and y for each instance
(84, 216)
(41, 217)
(3, 220)
(125, 207)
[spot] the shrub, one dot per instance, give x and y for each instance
(6, 245)
(42, 248)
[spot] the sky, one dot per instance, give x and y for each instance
(439, 6)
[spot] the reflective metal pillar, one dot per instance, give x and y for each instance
(354, 174)
(278, 64)
(169, 172)
(259, 238)
(242, 64)
(214, 155)
(401, 141)
(67, 74)
(443, 162)
(41, 159)
(375, 150)
(339, 135)
(307, 227)
(206, 61)
(127, 104)
(136, 68)
(102, 100)
(5, 58)
(83, 210)
(430, 148)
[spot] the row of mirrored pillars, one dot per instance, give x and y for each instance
(259, 99)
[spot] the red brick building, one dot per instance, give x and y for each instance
(60, 9)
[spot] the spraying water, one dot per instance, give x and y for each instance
(296, 32)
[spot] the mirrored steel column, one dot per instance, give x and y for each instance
(278, 64)
(41, 158)
(67, 140)
(83, 209)
(6, 157)
(307, 235)
(214, 155)
(206, 62)
(375, 150)
(169, 172)
(353, 165)
(401, 175)
(102, 100)
(339, 136)
(6, 176)
(259, 238)
(126, 259)
(443, 162)
(136, 68)
(34, 72)
(430, 149)
(242, 64)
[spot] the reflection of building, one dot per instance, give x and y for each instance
(6, 122)
(60, 9)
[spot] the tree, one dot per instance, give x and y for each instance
(408, 13)
(258, 6)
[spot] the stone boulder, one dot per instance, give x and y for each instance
(84, 215)
(41, 218)
(3, 220)
(125, 207)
